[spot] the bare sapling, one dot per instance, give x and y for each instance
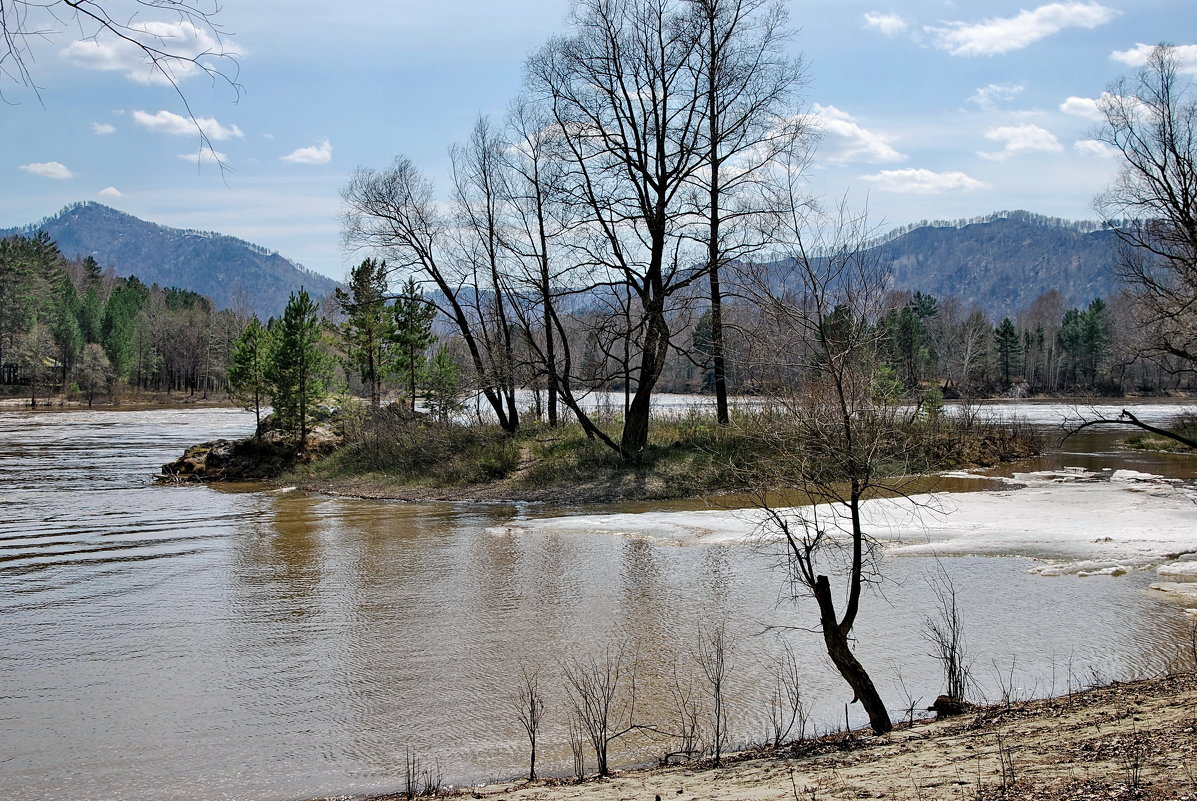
(529, 708)
(577, 748)
(836, 433)
(1005, 756)
(910, 703)
(787, 709)
(419, 778)
(602, 691)
(712, 655)
(687, 711)
(1007, 686)
(945, 631)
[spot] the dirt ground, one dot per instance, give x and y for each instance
(1128, 740)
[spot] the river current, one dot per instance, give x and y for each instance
(239, 642)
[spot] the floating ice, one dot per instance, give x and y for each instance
(1178, 569)
(1183, 591)
(1132, 476)
(1081, 569)
(1081, 522)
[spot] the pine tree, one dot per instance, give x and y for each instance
(442, 385)
(64, 325)
(247, 376)
(1008, 347)
(299, 371)
(369, 327)
(412, 335)
(119, 328)
(1096, 337)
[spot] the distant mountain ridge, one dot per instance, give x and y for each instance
(1001, 261)
(231, 271)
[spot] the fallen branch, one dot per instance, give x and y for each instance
(1127, 418)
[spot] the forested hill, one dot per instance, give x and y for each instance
(1001, 262)
(1004, 261)
(231, 271)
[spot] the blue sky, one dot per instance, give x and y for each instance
(931, 109)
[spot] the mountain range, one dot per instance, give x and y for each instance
(1001, 262)
(231, 271)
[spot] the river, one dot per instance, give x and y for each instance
(238, 642)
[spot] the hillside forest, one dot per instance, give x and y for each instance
(66, 328)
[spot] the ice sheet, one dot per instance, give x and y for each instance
(1078, 522)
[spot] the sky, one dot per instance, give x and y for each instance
(930, 109)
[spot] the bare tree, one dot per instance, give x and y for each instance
(838, 440)
(482, 191)
(603, 693)
(537, 219)
(393, 212)
(687, 710)
(1151, 120)
(787, 709)
(945, 631)
(35, 352)
(713, 657)
(529, 708)
(623, 97)
(747, 82)
(962, 341)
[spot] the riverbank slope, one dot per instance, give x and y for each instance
(1126, 740)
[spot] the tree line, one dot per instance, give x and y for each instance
(67, 323)
(293, 363)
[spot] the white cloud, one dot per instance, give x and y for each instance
(316, 154)
(922, 182)
(889, 24)
(181, 38)
(1003, 34)
(1186, 56)
(850, 141)
(111, 192)
(205, 155)
(1092, 147)
(102, 128)
(1082, 107)
(170, 123)
(1019, 139)
(48, 169)
(989, 96)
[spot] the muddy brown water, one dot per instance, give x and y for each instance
(236, 642)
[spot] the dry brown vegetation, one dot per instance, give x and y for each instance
(1126, 740)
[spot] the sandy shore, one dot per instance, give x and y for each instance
(1127, 740)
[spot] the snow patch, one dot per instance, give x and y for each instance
(1073, 519)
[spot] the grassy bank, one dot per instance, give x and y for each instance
(687, 456)
(1185, 427)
